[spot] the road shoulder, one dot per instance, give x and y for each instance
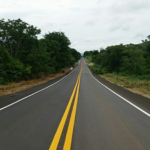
(11, 98)
(136, 99)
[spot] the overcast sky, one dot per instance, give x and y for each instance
(89, 24)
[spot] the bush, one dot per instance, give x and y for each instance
(97, 70)
(10, 69)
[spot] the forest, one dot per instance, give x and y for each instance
(23, 56)
(125, 60)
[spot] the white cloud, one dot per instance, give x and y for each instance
(88, 24)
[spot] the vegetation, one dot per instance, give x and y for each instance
(125, 65)
(123, 59)
(14, 87)
(132, 83)
(23, 56)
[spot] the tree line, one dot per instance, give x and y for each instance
(131, 59)
(23, 56)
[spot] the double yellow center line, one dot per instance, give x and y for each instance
(68, 139)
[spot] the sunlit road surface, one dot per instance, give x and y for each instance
(76, 113)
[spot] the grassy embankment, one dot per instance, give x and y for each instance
(132, 83)
(135, 84)
(23, 85)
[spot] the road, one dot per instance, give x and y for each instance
(76, 113)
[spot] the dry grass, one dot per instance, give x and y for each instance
(90, 64)
(141, 87)
(23, 85)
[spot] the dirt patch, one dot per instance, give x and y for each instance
(23, 85)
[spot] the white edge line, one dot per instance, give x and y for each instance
(120, 96)
(35, 92)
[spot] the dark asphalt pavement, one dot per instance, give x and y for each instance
(103, 120)
(106, 122)
(32, 123)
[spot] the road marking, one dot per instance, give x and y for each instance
(143, 111)
(35, 92)
(58, 133)
(68, 140)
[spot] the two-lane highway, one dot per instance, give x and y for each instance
(76, 113)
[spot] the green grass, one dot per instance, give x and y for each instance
(88, 59)
(132, 83)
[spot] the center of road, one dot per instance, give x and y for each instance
(68, 139)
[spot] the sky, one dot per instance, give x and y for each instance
(89, 24)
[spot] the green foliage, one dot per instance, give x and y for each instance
(88, 59)
(23, 56)
(91, 54)
(18, 37)
(88, 53)
(96, 69)
(75, 54)
(129, 60)
(10, 69)
(58, 45)
(133, 61)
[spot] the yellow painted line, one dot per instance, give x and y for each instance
(58, 133)
(68, 140)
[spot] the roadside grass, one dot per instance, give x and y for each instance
(78, 61)
(88, 59)
(133, 84)
(23, 85)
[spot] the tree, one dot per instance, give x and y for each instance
(18, 37)
(113, 57)
(10, 69)
(88, 53)
(148, 37)
(133, 61)
(23, 56)
(75, 54)
(58, 46)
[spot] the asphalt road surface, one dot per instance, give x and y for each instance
(76, 113)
